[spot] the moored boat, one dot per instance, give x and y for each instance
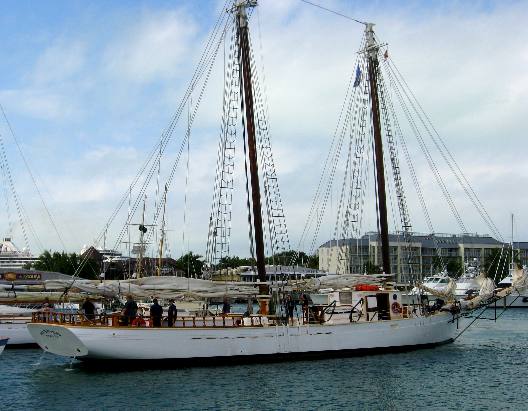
(350, 321)
(467, 284)
(3, 343)
(367, 322)
(13, 325)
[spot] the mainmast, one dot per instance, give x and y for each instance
(372, 48)
(142, 230)
(162, 239)
(245, 63)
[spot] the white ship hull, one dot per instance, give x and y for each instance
(3, 343)
(17, 333)
(123, 343)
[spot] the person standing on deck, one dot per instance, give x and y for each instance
(226, 308)
(173, 313)
(47, 306)
(290, 306)
(129, 311)
(305, 302)
(156, 312)
(89, 309)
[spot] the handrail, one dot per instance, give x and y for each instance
(332, 305)
(116, 320)
(353, 310)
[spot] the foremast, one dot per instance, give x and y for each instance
(372, 49)
(240, 8)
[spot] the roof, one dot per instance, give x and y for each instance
(426, 240)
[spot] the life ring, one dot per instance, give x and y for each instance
(138, 322)
(396, 308)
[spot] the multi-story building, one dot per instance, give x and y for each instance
(414, 257)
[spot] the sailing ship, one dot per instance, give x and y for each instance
(340, 321)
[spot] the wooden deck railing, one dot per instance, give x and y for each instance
(119, 320)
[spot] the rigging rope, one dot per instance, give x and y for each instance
(203, 69)
(4, 164)
(449, 159)
(218, 240)
(333, 11)
(412, 171)
(432, 164)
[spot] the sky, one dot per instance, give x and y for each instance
(89, 86)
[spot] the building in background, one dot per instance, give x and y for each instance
(420, 255)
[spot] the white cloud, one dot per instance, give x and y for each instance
(59, 62)
(465, 63)
(154, 48)
(39, 103)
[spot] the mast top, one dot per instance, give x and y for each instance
(372, 46)
(240, 7)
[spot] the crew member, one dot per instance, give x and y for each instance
(173, 313)
(89, 309)
(129, 311)
(156, 312)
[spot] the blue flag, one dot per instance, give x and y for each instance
(357, 81)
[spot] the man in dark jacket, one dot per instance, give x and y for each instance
(173, 313)
(129, 311)
(156, 312)
(89, 309)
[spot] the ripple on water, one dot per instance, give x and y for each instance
(482, 370)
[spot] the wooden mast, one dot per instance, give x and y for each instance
(244, 57)
(372, 48)
(162, 239)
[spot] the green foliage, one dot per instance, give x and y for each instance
(455, 267)
(313, 261)
(438, 263)
(191, 264)
(371, 268)
(292, 257)
(283, 258)
(234, 262)
(497, 264)
(65, 263)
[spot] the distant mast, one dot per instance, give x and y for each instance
(372, 48)
(245, 64)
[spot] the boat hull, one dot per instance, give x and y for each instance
(3, 343)
(17, 333)
(249, 343)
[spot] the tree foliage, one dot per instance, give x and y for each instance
(234, 262)
(285, 258)
(65, 263)
(191, 264)
(371, 268)
(497, 263)
(453, 265)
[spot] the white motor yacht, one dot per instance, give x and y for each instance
(518, 298)
(467, 284)
(437, 282)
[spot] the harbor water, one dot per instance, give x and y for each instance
(485, 369)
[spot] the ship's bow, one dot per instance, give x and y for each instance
(57, 339)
